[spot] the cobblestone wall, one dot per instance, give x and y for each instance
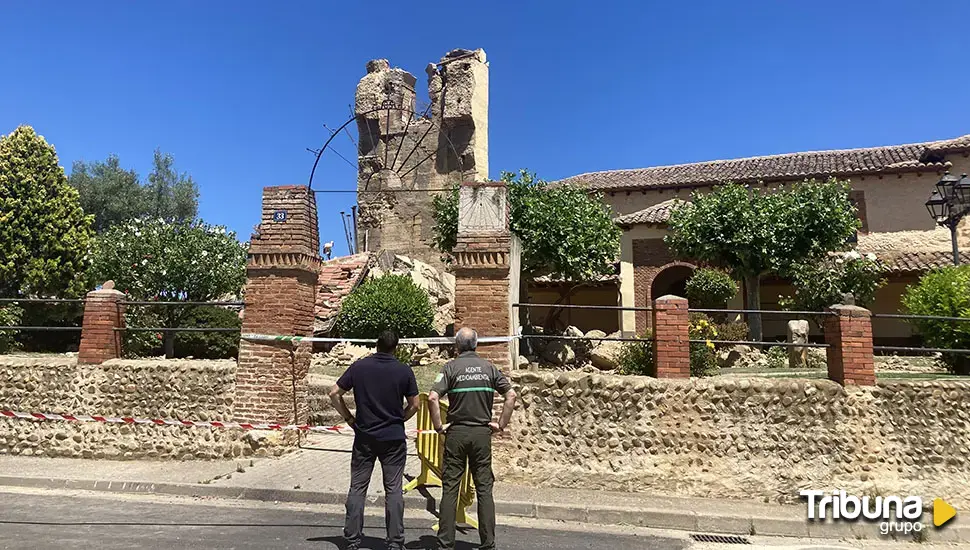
(183, 389)
(744, 438)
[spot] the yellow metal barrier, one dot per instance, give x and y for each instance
(431, 451)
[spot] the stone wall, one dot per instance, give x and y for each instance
(181, 389)
(745, 438)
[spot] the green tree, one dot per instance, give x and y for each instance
(821, 283)
(115, 195)
(710, 288)
(753, 233)
(390, 302)
(945, 293)
(566, 232)
(107, 191)
(170, 194)
(44, 233)
(170, 261)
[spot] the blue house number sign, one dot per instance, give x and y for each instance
(279, 216)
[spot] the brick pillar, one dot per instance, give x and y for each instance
(671, 332)
(486, 269)
(849, 335)
(103, 312)
(280, 292)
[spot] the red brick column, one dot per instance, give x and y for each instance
(671, 332)
(849, 335)
(486, 266)
(103, 312)
(280, 292)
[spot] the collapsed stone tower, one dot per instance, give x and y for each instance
(407, 154)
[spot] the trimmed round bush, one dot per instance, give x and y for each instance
(710, 288)
(946, 293)
(391, 302)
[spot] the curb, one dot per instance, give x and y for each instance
(686, 520)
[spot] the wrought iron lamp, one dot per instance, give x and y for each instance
(949, 204)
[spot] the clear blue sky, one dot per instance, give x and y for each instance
(238, 90)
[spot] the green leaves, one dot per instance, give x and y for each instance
(115, 195)
(751, 232)
(390, 302)
(944, 292)
(821, 283)
(566, 232)
(710, 288)
(44, 234)
(176, 261)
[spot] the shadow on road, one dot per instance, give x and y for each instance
(373, 543)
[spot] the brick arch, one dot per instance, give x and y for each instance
(650, 258)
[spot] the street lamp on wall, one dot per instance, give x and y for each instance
(949, 204)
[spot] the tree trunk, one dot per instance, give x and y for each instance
(554, 312)
(752, 289)
(525, 317)
(169, 344)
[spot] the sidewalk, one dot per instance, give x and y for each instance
(318, 472)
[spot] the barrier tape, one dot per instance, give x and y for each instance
(430, 340)
(339, 429)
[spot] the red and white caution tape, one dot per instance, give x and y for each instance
(338, 429)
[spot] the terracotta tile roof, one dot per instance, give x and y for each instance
(652, 215)
(918, 262)
(791, 166)
(338, 277)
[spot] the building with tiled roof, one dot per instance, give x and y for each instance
(890, 185)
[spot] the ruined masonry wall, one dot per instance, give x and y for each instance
(191, 390)
(748, 438)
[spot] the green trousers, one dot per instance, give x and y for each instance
(471, 445)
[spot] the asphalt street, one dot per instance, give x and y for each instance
(57, 521)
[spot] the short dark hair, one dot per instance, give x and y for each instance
(387, 341)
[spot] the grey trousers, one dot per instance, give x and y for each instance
(393, 456)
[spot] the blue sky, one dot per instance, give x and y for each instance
(238, 90)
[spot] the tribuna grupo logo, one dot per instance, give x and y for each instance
(895, 514)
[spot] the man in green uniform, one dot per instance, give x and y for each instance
(470, 383)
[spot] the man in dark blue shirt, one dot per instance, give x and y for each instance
(380, 384)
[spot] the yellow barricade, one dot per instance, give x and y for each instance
(431, 451)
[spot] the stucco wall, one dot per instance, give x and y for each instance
(894, 205)
(740, 438)
(179, 389)
(606, 320)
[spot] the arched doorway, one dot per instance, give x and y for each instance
(671, 280)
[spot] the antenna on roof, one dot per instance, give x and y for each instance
(343, 219)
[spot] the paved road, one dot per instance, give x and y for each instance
(76, 521)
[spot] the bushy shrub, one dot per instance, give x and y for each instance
(10, 315)
(404, 353)
(710, 288)
(734, 331)
(391, 302)
(51, 315)
(703, 358)
(636, 357)
(209, 345)
(821, 284)
(944, 292)
(777, 357)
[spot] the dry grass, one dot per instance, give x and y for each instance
(424, 374)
